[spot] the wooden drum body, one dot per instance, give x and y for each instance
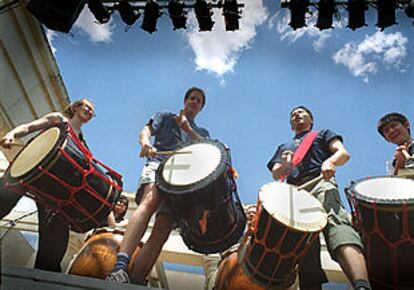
(287, 223)
(383, 212)
(98, 255)
(200, 188)
(58, 171)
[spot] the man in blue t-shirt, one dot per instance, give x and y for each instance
(325, 154)
(170, 132)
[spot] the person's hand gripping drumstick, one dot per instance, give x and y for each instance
(287, 161)
(401, 157)
(147, 150)
(328, 169)
(8, 141)
(184, 124)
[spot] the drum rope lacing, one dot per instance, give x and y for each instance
(376, 229)
(73, 190)
(306, 239)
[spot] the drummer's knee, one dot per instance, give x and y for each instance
(151, 198)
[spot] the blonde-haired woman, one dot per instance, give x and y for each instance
(53, 232)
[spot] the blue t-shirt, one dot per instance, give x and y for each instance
(168, 135)
(312, 162)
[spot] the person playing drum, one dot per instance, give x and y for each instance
(170, 132)
(325, 154)
(53, 231)
(395, 128)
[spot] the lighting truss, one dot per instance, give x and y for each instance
(326, 9)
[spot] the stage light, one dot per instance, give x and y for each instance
(326, 10)
(128, 14)
(386, 13)
(56, 15)
(101, 13)
(409, 9)
(177, 14)
(203, 14)
(231, 15)
(356, 13)
(151, 14)
(298, 9)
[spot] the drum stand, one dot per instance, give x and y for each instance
(13, 223)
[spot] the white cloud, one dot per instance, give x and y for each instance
(95, 31)
(380, 49)
(280, 21)
(50, 34)
(218, 51)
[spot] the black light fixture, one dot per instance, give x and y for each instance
(56, 15)
(386, 13)
(409, 9)
(128, 14)
(101, 13)
(298, 9)
(326, 10)
(151, 14)
(231, 15)
(177, 14)
(203, 14)
(356, 13)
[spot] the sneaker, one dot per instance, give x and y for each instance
(119, 276)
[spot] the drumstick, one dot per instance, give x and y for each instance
(172, 152)
(310, 182)
(16, 145)
(406, 154)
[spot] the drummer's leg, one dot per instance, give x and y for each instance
(148, 201)
(352, 262)
(53, 241)
(139, 220)
(8, 199)
(134, 232)
(344, 243)
(152, 248)
(311, 274)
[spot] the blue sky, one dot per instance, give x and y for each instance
(252, 78)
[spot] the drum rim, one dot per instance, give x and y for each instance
(49, 160)
(313, 227)
(169, 189)
(352, 193)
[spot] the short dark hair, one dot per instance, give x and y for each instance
(190, 90)
(391, 117)
(304, 108)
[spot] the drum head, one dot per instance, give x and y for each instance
(199, 161)
(293, 208)
(384, 190)
(35, 152)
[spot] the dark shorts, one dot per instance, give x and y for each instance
(311, 273)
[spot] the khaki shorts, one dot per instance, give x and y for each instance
(339, 231)
(148, 176)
